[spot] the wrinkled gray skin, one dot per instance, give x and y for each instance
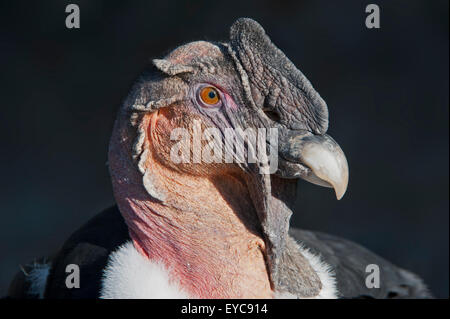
(270, 92)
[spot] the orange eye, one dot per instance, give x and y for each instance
(209, 95)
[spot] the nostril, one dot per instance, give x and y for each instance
(273, 115)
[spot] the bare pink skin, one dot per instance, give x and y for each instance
(206, 230)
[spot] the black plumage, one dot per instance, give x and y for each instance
(90, 246)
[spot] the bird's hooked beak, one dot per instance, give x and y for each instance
(323, 160)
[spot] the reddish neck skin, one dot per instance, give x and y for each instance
(206, 230)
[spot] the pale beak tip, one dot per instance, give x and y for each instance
(341, 187)
(328, 162)
(340, 194)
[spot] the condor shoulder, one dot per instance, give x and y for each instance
(349, 261)
(88, 248)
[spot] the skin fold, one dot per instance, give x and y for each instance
(222, 228)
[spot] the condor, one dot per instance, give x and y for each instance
(216, 230)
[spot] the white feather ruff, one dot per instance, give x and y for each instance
(37, 277)
(129, 275)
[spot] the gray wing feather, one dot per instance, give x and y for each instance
(349, 262)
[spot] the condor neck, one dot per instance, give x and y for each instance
(203, 229)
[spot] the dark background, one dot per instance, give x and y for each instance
(387, 92)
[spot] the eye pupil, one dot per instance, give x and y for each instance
(209, 96)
